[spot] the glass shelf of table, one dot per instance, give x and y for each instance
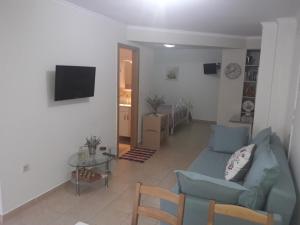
(88, 160)
(90, 168)
(88, 183)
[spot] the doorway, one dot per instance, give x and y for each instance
(127, 98)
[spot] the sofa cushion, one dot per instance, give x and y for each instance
(210, 163)
(199, 185)
(229, 139)
(262, 175)
(239, 163)
(263, 146)
(261, 136)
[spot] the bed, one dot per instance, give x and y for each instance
(177, 113)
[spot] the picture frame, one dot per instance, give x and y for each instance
(172, 73)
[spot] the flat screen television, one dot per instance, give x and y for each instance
(74, 82)
(210, 68)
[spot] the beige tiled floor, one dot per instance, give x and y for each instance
(99, 206)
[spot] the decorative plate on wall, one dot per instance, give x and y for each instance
(233, 71)
(248, 106)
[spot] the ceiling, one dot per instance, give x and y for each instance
(233, 17)
(177, 46)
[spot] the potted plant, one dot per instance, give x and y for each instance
(155, 102)
(92, 144)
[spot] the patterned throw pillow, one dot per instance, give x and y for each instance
(239, 163)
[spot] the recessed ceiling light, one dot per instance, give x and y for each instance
(127, 60)
(169, 46)
(161, 3)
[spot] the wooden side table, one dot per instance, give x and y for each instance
(155, 130)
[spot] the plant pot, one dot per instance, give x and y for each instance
(92, 150)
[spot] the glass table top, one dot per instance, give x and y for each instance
(87, 160)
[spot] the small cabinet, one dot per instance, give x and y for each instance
(124, 121)
(155, 130)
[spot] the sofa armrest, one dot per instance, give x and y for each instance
(282, 202)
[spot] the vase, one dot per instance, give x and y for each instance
(92, 150)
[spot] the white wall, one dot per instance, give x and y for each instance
(278, 85)
(295, 157)
(275, 77)
(35, 36)
(282, 77)
(145, 83)
(1, 203)
(230, 91)
(192, 84)
(294, 148)
(265, 74)
(253, 42)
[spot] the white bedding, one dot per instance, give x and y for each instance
(177, 113)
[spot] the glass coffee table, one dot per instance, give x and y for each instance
(90, 168)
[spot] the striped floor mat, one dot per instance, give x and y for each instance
(138, 154)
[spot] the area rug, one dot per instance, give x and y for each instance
(138, 154)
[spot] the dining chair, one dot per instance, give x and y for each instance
(155, 213)
(237, 212)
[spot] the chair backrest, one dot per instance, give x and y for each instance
(237, 212)
(155, 213)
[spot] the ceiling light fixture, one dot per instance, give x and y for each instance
(169, 45)
(127, 60)
(162, 3)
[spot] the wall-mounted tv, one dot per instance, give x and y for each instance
(74, 82)
(210, 68)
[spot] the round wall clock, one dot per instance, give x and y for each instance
(233, 70)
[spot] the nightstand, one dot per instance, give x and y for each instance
(155, 130)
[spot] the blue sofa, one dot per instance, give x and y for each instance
(280, 201)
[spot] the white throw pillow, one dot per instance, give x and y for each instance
(239, 163)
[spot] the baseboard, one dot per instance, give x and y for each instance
(29, 203)
(203, 121)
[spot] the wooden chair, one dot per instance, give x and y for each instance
(237, 212)
(155, 213)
